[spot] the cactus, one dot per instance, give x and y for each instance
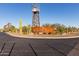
(20, 26)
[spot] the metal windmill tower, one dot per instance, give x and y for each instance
(35, 15)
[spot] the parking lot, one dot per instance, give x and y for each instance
(15, 46)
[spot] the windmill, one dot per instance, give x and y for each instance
(35, 15)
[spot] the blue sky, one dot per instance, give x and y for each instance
(67, 14)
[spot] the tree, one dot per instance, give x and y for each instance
(60, 28)
(29, 29)
(24, 30)
(47, 25)
(12, 29)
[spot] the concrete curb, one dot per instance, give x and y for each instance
(43, 37)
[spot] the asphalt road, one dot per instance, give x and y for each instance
(14, 46)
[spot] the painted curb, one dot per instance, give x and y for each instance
(43, 37)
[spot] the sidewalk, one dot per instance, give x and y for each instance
(42, 37)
